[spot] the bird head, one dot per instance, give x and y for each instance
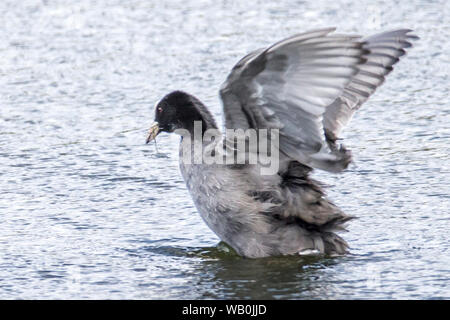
(179, 110)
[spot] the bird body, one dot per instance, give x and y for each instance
(306, 88)
(232, 203)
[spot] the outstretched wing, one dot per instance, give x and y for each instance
(385, 49)
(289, 86)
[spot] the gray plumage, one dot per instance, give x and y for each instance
(308, 86)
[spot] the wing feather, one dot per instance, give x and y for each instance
(308, 86)
(385, 49)
(288, 86)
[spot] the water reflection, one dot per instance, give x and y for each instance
(224, 275)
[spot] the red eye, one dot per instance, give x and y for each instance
(159, 109)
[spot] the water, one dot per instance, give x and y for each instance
(88, 211)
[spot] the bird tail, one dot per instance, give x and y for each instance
(334, 244)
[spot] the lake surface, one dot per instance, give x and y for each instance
(88, 211)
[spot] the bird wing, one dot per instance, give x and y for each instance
(288, 86)
(385, 49)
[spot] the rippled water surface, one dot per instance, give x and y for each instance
(87, 210)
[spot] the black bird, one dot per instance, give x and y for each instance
(307, 87)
